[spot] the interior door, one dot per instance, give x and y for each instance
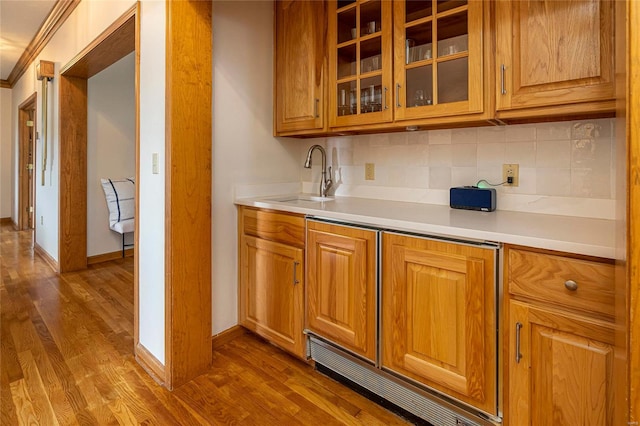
(27, 155)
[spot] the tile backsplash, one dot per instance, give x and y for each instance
(565, 167)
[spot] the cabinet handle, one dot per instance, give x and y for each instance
(295, 273)
(398, 95)
(503, 89)
(316, 108)
(518, 354)
(384, 101)
(571, 285)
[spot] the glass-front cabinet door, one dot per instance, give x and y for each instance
(438, 58)
(360, 75)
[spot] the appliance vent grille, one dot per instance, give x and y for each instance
(393, 392)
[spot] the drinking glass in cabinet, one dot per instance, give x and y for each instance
(370, 95)
(419, 86)
(347, 25)
(452, 34)
(370, 17)
(418, 42)
(347, 103)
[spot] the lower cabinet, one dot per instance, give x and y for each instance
(341, 286)
(559, 338)
(272, 277)
(560, 368)
(439, 318)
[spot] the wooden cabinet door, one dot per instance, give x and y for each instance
(553, 52)
(561, 373)
(300, 66)
(272, 291)
(360, 62)
(438, 316)
(438, 58)
(341, 286)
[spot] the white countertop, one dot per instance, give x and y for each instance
(594, 237)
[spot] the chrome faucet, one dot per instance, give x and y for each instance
(325, 183)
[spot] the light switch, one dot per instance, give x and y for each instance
(154, 163)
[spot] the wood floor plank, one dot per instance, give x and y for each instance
(39, 397)
(66, 357)
(123, 415)
(25, 412)
(7, 407)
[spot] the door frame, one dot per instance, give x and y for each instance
(188, 181)
(23, 148)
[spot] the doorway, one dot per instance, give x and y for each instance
(26, 161)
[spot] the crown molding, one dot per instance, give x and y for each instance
(4, 84)
(58, 15)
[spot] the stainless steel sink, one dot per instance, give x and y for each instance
(302, 198)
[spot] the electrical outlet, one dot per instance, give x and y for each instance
(369, 171)
(511, 171)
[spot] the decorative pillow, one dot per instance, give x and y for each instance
(120, 195)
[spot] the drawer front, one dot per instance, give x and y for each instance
(575, 283)
(274, 226)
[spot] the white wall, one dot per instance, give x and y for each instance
(86, 22)
(111, 143)
(151, 186)
(6, 154)
(244, 150)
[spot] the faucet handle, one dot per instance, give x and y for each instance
(328, 181)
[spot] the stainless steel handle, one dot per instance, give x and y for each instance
(503, 89)
(295, 273)
(518, 354)
(384, 100)
(571, 285)
(316, 108)
(398, 95)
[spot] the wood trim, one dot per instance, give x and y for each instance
(188, 191)
(46, 257)
(113, 44)
(631, 310)
(149, 363)
(226, 336)
(4, 84)
(105, 257)
(6, 221)
(136, 233)
(73, 130)
(58, 15)
(72, 241)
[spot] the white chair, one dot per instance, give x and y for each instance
(120, 195)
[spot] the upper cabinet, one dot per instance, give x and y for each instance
(555, 56)
(300, 67)
(360, 62)
(439, 59)
(350, 66)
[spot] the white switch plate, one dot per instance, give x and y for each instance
(154, 163)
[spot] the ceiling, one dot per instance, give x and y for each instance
(20, 21)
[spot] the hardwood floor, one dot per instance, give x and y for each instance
(67, 358)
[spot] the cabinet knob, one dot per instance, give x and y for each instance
(571, 285)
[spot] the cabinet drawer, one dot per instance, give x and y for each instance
(547, 277)
(273, 226)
